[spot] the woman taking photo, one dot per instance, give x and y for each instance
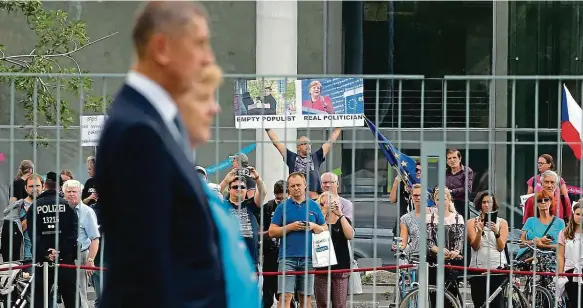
(487, 235)
(570, 251)
(341, 232)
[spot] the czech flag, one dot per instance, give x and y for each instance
(571, 122)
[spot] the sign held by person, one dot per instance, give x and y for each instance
(325, 102)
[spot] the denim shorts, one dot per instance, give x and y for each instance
(304, 284)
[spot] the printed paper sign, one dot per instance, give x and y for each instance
(91, 127)
(523, 199)
(327, 102)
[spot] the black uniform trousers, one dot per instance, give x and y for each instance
(269, 282)
(66, 284)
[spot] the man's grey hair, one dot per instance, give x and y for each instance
(549, 173)
(70, 184)
(333, 176)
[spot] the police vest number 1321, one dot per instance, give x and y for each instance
(50, 220)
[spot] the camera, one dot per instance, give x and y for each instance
(243, 172)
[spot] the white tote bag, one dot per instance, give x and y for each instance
(323, 253)
(355, 282)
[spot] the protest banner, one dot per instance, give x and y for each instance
(327, 102)
(91, 127)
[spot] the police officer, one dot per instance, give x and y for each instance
(50, 218)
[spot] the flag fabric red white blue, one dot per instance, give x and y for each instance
(571, 122)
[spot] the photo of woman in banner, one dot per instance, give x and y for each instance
(317, 104)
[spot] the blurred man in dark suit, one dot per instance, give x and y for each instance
(165, 245)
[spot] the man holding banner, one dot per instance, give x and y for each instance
(304, 160)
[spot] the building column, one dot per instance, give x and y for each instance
(276, 54)
(500, 173)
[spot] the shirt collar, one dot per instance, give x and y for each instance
(154, 93)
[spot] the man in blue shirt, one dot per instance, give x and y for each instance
(294, 221)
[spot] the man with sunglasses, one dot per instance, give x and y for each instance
(246, 209)
(304, 160)
(239, 161)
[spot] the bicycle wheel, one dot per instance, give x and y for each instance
(518, 299)
(543, 297)
(411, 300)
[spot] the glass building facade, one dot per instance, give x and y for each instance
(436, 39)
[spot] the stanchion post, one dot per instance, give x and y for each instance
(46, 284)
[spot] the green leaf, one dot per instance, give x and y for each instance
(57, 38)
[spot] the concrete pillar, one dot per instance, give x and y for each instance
(276, 54)
(500, 170)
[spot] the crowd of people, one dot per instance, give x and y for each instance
(551, 225)
(50, 207)
(278, 232)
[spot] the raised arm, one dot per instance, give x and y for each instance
(328, 145)
(278, 145)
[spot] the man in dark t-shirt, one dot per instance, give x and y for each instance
(270, 246)
(304, 160)
(246, 210)
(239, 161)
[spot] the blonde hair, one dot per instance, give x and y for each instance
(325, 196)
(210, 78)
(447, 195)
(313, 84)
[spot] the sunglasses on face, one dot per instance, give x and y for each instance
(544, 200)
(417, 170)
(239, 187)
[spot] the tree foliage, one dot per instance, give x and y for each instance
(58, 38)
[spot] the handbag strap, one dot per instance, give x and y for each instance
(550, 225)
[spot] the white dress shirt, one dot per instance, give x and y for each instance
(158, 97)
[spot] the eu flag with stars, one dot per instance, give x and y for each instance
(403, 164)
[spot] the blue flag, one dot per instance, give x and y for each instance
(403, 164)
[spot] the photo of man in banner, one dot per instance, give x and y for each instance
(332, 96)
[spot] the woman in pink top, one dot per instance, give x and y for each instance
(545, 162)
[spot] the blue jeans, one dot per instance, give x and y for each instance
(304, 284)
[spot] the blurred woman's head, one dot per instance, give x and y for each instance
(447, 196)
(544, 202)
(486, 202)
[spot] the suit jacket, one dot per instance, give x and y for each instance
(162, 247)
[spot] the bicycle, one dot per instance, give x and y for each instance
(544, 298)
(407, 279)
(450, 300)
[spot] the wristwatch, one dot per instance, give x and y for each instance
(90, 260)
